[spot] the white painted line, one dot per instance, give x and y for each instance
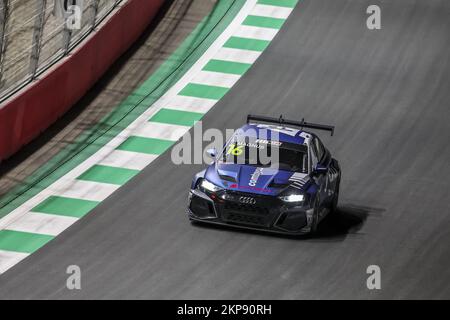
(42, 223)
(128, 159)
(82, 189)
(271, 11)
(216, 79)
(237, 55)
(163, 131)
(9, 259)
(193, 104)
(255, 32)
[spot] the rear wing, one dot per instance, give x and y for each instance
(281, 121)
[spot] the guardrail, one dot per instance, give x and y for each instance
(29, 112)
(34, 34)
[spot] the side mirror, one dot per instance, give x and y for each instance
(320, 169)
(212, 152)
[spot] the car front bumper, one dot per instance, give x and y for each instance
(268, 213)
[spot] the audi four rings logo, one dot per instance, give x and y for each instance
(247, 200)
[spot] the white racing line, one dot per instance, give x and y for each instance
(23, 219)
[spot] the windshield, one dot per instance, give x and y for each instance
(266, 153)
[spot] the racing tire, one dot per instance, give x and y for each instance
(334, 203)
(315, 222)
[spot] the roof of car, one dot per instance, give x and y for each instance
(274, 132)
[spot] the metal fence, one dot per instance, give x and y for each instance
(34, 34)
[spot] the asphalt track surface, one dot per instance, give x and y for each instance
(387, 92)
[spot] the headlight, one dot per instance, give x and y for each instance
(293, 198)
(205, 184)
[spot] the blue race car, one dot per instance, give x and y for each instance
(290, 193)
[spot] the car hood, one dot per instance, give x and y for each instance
(252, 179)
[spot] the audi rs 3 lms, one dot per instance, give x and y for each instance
(271, 175)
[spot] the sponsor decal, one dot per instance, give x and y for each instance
(235, 186)
(298, 180)
(271, 142)
(242, 144)
(236, 148)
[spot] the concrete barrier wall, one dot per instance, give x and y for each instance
(31, 111)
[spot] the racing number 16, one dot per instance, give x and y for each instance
(235, 150)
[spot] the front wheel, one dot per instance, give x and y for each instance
(315, 222)
(334, 204)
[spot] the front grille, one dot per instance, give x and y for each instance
(246, 208)
(245, 219)
(257, 214)
(262, 201)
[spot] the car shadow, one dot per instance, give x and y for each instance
(347, 220)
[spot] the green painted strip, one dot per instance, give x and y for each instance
(203, 91)
(178, 117)
(62, 206)
(246, 44)
(280, 3)
(263, 22)
(22, 241)
(94, 138)
(145, 145)
(223, 66)
(107, 174)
